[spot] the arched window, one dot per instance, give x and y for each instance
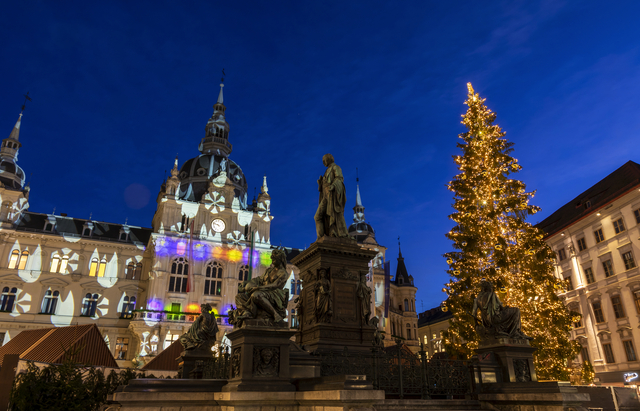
(50, 302)
(243, 275)
(138, 272)
(55, 262)
(23, 260)
(213, 276)
(408, 331)
(102, 267)
(93, 269)
(406, 304)
(178, 278)
(7, 299)
(128, 305)
(130, 272)
(90, 304)
(13, 260)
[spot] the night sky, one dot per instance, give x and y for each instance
(119, 88)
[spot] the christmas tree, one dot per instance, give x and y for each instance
(492, 241)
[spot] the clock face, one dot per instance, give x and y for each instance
(218, 225)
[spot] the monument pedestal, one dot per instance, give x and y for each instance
(334, 265)
(259, 358)
(190, 362)
(510, 359)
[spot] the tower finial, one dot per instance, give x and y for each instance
(26, 98)
(399, 249)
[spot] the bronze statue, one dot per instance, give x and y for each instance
(496, 320)
(202, 332)
(263, 297)
(324, 310)
(364, 295)
(330, 214)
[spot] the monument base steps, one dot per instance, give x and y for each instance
(532, 396)
(421, 405)
(332, 400)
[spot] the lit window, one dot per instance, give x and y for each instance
(55, 261)
(582, 244)
(588, 272)
(179, 273)
(561, 254)
(93, 268)
(7, 299)
(102, 267)
(629, 350)
(629, 262)
(122, 344)
(90, 304)
(608, 354)
(618, 311)
(597, 312)
(170, 339)
(50, 302)
(618, 226)
(63, 265)
(608, 268)
(213, 271)
(23, 260)
(13, 261)
(598, 235)
(569, 283)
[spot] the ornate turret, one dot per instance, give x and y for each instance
(402, 276)
(264, 191)
(216, 140)
(360, 229)
(11, 175)
(173, 182)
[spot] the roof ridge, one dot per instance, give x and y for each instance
(34, 345)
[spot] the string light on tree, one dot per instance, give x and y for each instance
(492, 240)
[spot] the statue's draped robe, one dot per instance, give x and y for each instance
(202, 331)
(274, 279)
(323, 305)
(334, 224)
(504, 320)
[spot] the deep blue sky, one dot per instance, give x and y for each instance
(120, 87)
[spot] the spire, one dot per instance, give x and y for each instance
(220, 96)
(399, 250)
(264, 191)
(216, 139)
(11, 144)
(402, 276)
(358, 210)
(172, 183)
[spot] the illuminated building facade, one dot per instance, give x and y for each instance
(401, 320)
(431, 324)
(141, 286)
(596, 237)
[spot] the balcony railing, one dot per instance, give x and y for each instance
(170, 316)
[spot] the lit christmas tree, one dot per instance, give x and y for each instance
(492, 241)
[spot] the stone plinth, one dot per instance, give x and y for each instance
(343, 261)
(259, 358)
(533, 396)
(188, 361)
(510, 358)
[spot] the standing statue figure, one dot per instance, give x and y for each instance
(364, 295)
(263, 297)
(496, 320)
(330, 215)
(202, 333)
(324, 309)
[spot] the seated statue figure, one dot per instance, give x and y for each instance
(263, 297)
(202, 333)
(496, 320)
